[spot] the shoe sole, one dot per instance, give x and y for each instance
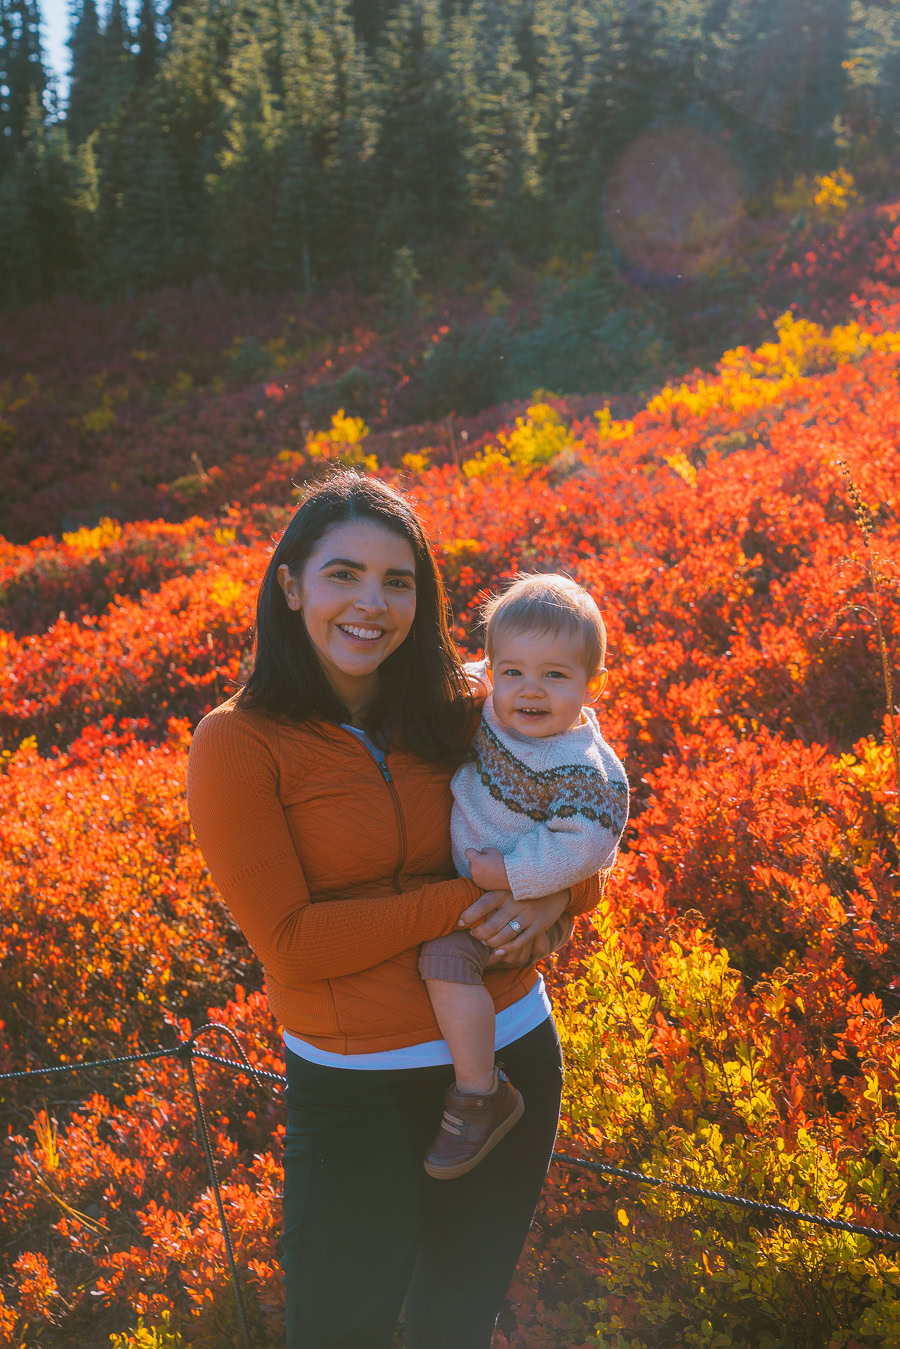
(460, 1169)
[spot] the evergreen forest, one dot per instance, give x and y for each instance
(292, 144)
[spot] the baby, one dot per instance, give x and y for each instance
(541, 805)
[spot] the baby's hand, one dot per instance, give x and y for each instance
(488, 868)
(478, 686)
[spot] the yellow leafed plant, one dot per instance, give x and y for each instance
(94, 540)
(538, 438)
(750, 379)
(342, 443)
(147, 1337)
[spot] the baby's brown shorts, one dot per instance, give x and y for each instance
(460, 958)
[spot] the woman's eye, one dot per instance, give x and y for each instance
(400, 583)
(342, 575)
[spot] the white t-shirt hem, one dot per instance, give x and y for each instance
(511, 1024)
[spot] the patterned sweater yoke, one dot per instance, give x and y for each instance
(555, 806)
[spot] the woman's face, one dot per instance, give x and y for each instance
(357, 597)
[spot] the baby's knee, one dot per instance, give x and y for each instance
(458, 958)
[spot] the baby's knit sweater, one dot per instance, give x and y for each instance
(555, 806)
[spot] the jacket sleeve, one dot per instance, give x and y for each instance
(239, 824)
(587, 894)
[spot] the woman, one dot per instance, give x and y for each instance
(319, 795)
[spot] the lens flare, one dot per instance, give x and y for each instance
(674, 201)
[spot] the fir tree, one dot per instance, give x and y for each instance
(148, 246)
(147, 57)
(621, 85)
(86, 200)
(17, 261)
(118, 59)
(87, 100)
(331, 125)
(188, 110)
(500, 147)
(22, 75)
(116, 31)
(776, 74)
(36, 217)
(370, 19)
(550, 60)
(308, 147)
(873, 74)
(244, 187)
(420, 164)
(8, 136)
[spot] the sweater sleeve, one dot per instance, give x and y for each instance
(240, 826)
(557, 854)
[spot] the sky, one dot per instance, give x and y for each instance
(54, 31)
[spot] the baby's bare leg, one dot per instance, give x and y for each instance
(465, 1014)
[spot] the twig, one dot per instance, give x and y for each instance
(864, 520)
(453, 449)
(201, 471)
(91, 1223)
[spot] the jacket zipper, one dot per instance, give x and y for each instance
(398, 810)
(401, 822)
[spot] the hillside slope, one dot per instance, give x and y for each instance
(729, 1013)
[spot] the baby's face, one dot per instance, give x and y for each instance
(540, 683)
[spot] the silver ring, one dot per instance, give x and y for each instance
(515, 925)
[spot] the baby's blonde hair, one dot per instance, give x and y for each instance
(551, 604)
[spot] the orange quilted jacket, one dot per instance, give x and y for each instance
(335, 873)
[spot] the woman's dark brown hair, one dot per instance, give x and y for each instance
(424, 701)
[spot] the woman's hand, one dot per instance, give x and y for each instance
(478, 687)
(489, 917)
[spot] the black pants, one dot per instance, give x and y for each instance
(365, 1227)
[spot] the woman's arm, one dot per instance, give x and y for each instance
(239, 823)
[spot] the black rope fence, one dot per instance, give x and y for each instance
(187, 1052)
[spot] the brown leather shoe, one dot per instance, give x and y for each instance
(471, 1126)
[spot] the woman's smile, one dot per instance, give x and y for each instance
(361, 634)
